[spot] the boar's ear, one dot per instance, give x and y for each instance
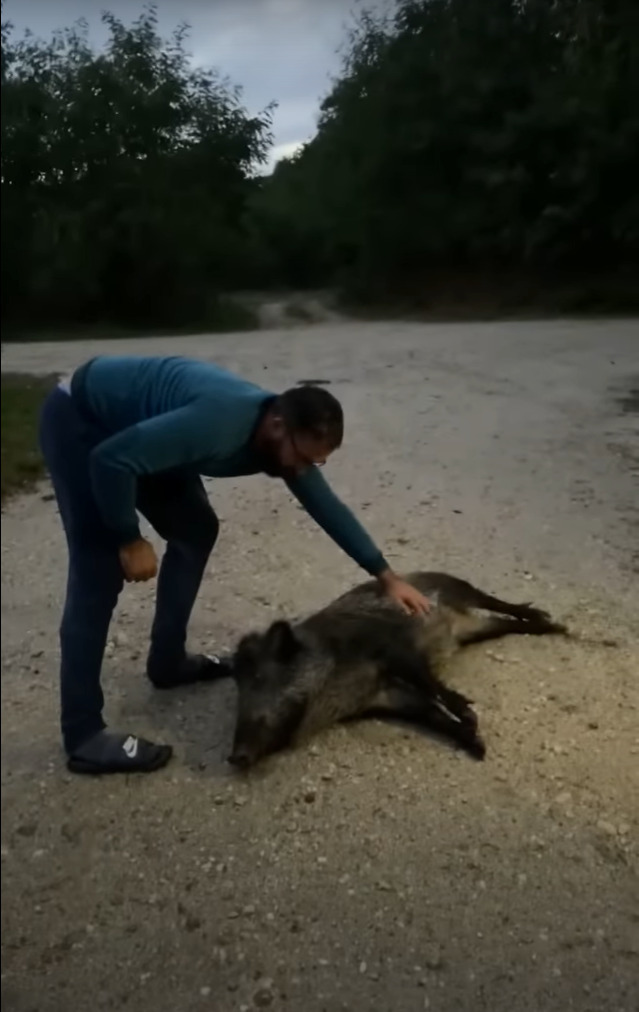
(247, 651)
(281, 642)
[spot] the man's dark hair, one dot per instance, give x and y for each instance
(312, 411)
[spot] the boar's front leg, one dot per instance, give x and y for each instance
(415, 673)
(420, 707)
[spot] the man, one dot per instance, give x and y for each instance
(132, 434)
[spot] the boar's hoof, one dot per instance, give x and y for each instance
(240, 760)
(469, 719)
(476, 748)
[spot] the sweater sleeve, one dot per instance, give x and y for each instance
(321, 503)
(176, 439)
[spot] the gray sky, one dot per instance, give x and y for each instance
(282, 50)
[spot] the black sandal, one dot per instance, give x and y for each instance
(193, 668)
(107, 752)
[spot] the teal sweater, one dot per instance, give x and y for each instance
(162, 413)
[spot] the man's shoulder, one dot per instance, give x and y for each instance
(195, 369)
(214, 379)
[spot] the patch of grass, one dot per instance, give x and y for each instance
(22, 396)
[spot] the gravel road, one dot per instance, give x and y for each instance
(377, 870)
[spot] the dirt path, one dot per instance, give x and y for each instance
(377, 871)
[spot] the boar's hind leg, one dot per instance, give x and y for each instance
(471, 628)
(421, 708)
(459, 595)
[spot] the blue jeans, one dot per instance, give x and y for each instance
(175, 504)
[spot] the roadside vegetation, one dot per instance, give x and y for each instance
(22, 396)
(472, 157)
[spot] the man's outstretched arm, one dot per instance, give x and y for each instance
(335, 518)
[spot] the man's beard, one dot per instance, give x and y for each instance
(271, 466)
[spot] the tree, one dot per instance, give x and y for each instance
(459, 136)
(473, 133)
(125, 175)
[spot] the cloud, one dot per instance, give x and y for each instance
(277, 50)
(281, 151)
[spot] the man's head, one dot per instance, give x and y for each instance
(300, 429)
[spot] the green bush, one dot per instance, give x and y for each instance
(22, 398)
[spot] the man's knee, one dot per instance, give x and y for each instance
(180, 511)
(201, 533)
(209, 531)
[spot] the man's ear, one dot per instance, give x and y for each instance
(281, 642)
(278, 425)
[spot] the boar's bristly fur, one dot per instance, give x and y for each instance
(362, 655)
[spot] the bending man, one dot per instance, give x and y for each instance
(131, 434)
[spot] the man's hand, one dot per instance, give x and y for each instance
(139, 561)
(405, 595)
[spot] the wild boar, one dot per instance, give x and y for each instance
(361, 656)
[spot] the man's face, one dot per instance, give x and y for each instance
(287, 454)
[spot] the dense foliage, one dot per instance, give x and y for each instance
(474, 133)
(125, 175)
(461, 135)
